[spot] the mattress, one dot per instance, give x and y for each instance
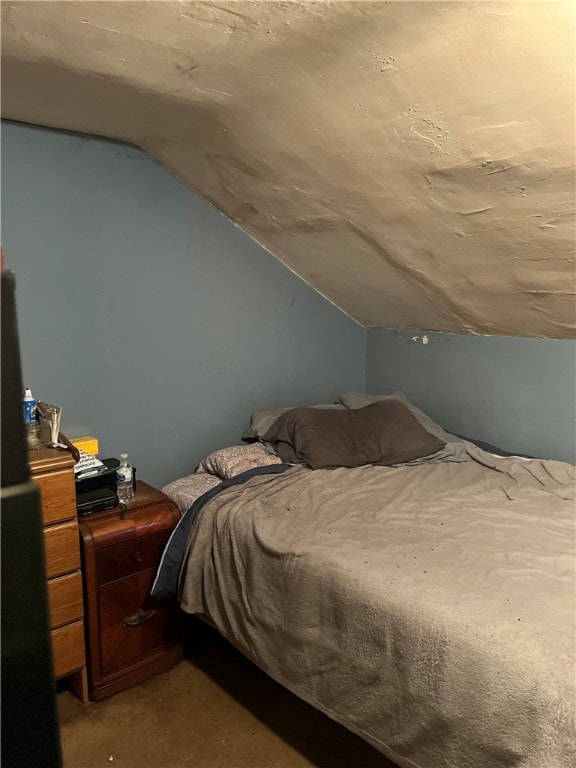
(430, 609)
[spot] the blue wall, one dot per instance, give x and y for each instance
(159, 326)
(150, 318)
(516, 393)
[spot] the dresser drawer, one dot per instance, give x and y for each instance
(58, 494)
(65, 599)
(122, 560)
(68, 648)
(62, 549)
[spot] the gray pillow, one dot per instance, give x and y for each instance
(455, 448)
(263, 418)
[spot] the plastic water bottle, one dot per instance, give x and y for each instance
(125, 481)
(29, 407)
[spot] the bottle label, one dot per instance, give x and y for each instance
(124, 475)
(30, 412)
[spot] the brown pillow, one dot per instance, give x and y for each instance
(454, 448)
(383, 433)
(263, 418)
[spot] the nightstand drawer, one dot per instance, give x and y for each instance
(121, 560)
(68, 648)
(133, 626)
(58, 494)
(65, 599)
(62, 549)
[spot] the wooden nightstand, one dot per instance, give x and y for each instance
(130, 635)
(53, 471)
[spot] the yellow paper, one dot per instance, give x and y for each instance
(86, 443)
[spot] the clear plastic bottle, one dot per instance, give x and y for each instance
(125, 481)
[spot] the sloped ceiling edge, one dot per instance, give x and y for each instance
(412, 161)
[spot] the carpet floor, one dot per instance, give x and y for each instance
(213, 710)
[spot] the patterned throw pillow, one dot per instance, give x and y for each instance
(229, 462)
(186, 490)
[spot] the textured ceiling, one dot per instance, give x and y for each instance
(413, 161)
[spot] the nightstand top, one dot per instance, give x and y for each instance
(151, 511)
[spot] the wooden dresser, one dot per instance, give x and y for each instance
(53, 471)
(130, 635)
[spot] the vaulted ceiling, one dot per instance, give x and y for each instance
(413, 161)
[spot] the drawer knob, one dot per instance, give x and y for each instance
(138, 618)
(137, 557)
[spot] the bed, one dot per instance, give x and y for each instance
(427, 605)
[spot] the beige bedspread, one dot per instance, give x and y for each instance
(430, 609)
